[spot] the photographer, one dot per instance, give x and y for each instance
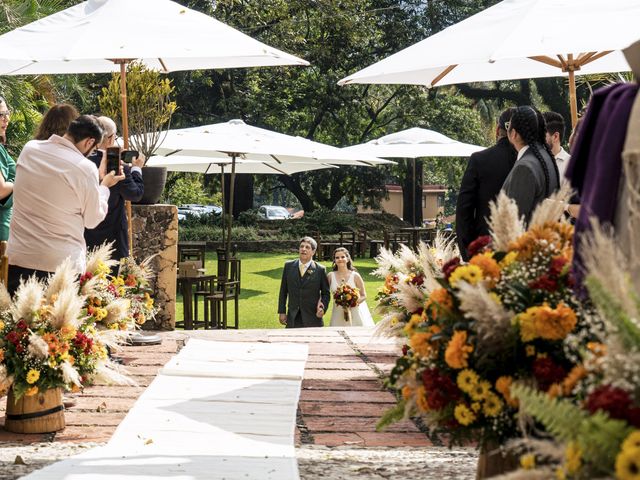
(57, 194)
(114, 227)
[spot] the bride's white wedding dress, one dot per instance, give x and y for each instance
(360, 315)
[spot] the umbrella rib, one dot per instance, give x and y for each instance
(547, 60)
(172, 153)
(276, 169)
(595, 57)
(164, 67)
(275, 158)
(443, 74)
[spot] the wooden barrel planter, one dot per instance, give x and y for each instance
(493, 461)
(40, 413)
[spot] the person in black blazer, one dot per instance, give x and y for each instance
(481, 183)
(114, 227)
(305, 285)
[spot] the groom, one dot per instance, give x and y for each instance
(305, 283)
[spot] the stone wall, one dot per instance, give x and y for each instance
(155, 232)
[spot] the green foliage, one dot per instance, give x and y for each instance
(611, 309)
(249, 218)
(598, 435)
(391, 416)
(149, 105)
(187, 188)
(211, 233)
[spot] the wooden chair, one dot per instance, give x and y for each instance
(227, 289)
(348, 241)
(4, 263)
(360, 243)
(395, 239)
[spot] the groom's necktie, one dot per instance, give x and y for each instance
(302, 269)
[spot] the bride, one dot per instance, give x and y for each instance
(343, 271)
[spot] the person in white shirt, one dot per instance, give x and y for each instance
(58, 193)
(554, 136)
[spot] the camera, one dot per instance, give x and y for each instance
(113, 159)
(127, 156)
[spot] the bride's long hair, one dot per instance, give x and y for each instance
(346, 252)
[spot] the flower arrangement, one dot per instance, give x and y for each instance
(346, 297)
(116, 302)
(46, 341)
(596, 429)
(474, 329)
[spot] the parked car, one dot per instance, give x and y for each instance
(273, 212)
(197, 210)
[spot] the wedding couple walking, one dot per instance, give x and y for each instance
(309, 289)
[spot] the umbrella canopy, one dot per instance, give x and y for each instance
(517, 39)
(162, 34)
(414, 143)
(180, 163)
(223, 140)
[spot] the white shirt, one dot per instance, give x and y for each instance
(562, 160)
(521, 152)
(56, 195)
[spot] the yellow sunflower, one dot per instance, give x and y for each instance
(528, 461)
(632, 440)
(469, 273)
(573, 455)
(464, 415)
(492, 405)
(32, 376)
(628, 464)
(467, 380)
(480, 390)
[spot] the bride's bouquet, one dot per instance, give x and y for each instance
(346, 297)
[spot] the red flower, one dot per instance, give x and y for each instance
(614, 401)
(405, 349)
(21, 325)
(480, 244)
(547, 372)
(557, 265)
(112, 289)
(19, 348)
(544, 282)
(13, 337)
(417, 280)
(85, 276)
(450, 266)
(440, 389)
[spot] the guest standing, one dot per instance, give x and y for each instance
(481, 183)
(535, 174)
(7, 173)
(56, 121)
(114, 227)
(554, 136)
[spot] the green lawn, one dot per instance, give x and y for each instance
(261, 273)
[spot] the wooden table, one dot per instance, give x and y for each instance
(205, 285)
(192, 251)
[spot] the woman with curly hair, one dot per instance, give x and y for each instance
(535, 175)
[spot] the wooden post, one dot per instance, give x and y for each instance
(125, 139)
(573, 99)
(231, 194)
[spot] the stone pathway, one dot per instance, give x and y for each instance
(341, 401)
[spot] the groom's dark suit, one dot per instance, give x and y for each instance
(303, 294)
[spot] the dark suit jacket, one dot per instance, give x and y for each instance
(114, 225)
(526, 183)
(303, 293)
(481, 183)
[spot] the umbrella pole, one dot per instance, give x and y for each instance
(413, 207)
(573, 100)
(231, 194)
(125, 137)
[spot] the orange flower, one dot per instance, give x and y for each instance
(503, 386)
(420, 342)
(458, 351)
(598, 349)
(490, 268)
(407, 391)
(546, 322)
(1, 354)
(575, 375)
(539, 237)
(439, 298)
(421, 399)
(555, 390)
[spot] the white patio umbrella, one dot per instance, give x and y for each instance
(238, 143)
(517, 39)
(414, 143)
(105, 35)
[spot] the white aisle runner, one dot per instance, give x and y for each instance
(217, 410)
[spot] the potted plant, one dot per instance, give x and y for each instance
(149, 114)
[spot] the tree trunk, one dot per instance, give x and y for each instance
(294, 187)
(408, 205)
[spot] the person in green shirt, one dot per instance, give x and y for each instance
(7, 173)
